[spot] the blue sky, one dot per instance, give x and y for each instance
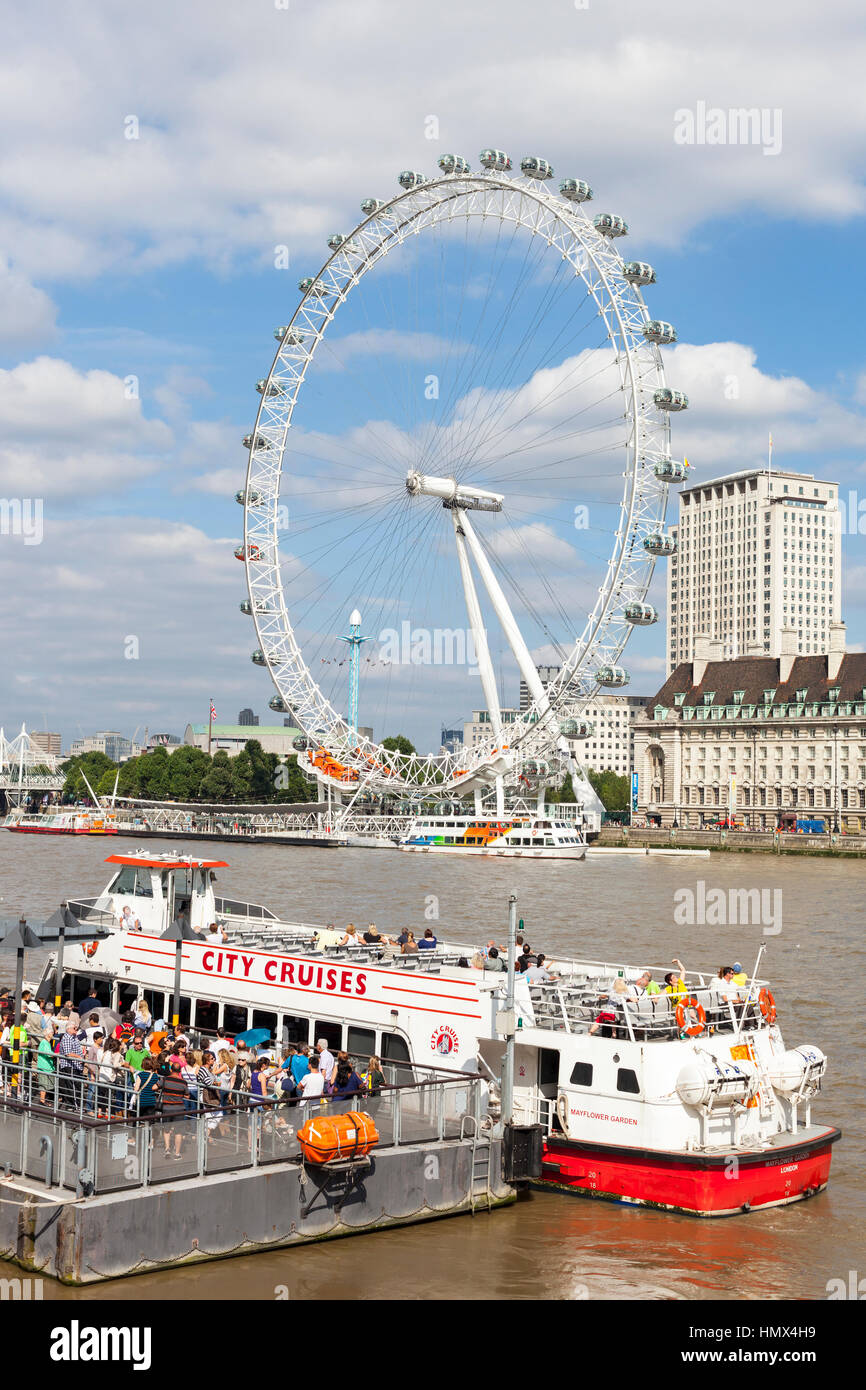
(153, 258)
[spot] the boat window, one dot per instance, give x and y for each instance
(127, 996)
(155, 1001)
(207, 1014)
(394, 1048)
(184, 1012)
(360, 1043)
(262, 1018)
(548, 841)
(295, 1029)
(626, 1080)
(143, 885)
(581, 1074)
(125, 881)
(67, 986)
(102, 990)
(234, 1019)
(333, 1032)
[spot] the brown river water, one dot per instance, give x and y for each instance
(547, 1246)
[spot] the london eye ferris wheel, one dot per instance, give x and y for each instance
(466, 421)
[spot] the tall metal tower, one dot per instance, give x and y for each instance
(355, 641)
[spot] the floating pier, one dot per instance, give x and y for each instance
(86, 1200)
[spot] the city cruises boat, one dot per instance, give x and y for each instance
(511, 837)
(67, 822)
(687, 1103)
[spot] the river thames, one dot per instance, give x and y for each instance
(547, 1246)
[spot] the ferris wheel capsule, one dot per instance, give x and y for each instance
(278, 704)
(246, 607)
(575, 190)
(301, 744)
(247, 552)
(610, 225)
(292, 336)
(453, 164)
(666, 399)
(269, 388)
(657, 331)
(258, 657)
(576, 728)
(638, 273)
(641, 614)
(495, 159)
(256, 442)
(409, 178)
(535, 168)
(657, 543)
(310, 285)
(371, 205)
(670, 470)
(249, 497)
(612, 676)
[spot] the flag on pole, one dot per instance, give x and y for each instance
(212, 712)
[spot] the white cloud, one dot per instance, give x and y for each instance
(27, 315)
(257, 128)
(65, 432)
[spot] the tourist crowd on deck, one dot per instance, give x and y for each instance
(89, 1058)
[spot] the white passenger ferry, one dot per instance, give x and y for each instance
(65, 822)
(520, 836)
(688, 1104)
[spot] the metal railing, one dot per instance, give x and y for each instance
(80, 1152)
(649, 1018)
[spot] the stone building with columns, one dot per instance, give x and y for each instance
(765, 739)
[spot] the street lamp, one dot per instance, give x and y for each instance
(19, 939)
(178, 934)
(61, 921)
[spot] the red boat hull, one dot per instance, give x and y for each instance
(697, 1184)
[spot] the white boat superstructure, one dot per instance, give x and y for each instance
(516, 836)
(690, 1101)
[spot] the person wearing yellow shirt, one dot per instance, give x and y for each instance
(740, 977)
(676, 986)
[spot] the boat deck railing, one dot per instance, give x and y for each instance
(576, 1007)
(118, 1148)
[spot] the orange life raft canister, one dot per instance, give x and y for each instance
(326, 1137)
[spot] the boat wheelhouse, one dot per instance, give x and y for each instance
(690, 1101)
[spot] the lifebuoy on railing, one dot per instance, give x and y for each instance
(691, 1018)
(562, 1112)
(90, 949)
(768, 1005)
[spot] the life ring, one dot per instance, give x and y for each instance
(768, 1005)
(562, 1112)
(697, 1010)
(90, 949)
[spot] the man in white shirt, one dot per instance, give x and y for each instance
(538, 974)
(220, 1043)
(722, 987)
(326, 1058)
(312, 1083)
